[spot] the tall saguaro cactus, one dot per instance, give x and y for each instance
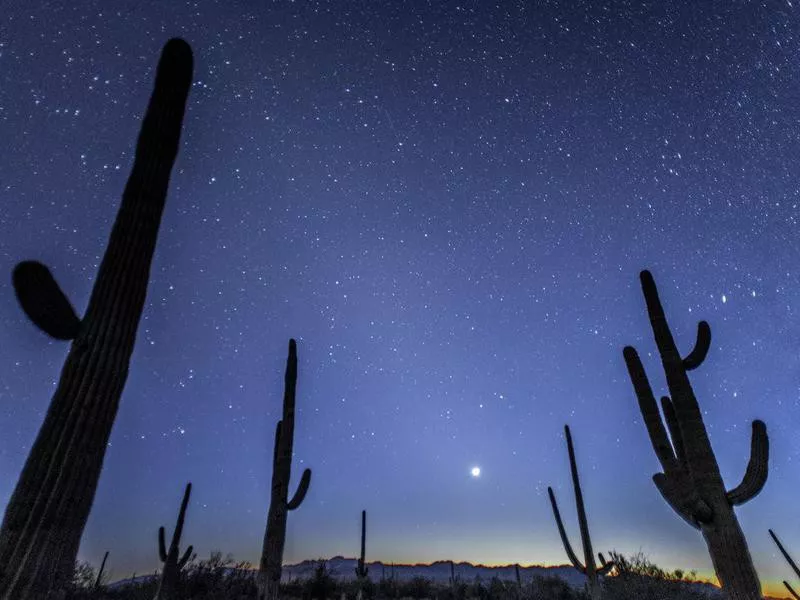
(279, 505)
(590, 569)
(691, 482)
(361, 569)
(169, 586)
(48, 510)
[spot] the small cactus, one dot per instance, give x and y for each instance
(691, 482)
(100, 572)
(361, 568)
(279, 505)
(790, 561)
(590, 569)
(169, 587)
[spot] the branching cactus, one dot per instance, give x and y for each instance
(590, 569)
(691, 482)
(791, 564)
(279, 505)
(169, 587)
(48, 510)
(361, 568)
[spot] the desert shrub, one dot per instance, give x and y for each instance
(418, 588)
(550, 588)
(639, 564)
(83, 581)
(322, 585)
(387, 588)
(501, 590)
(636, 578)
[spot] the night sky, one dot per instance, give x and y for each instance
(447, 205)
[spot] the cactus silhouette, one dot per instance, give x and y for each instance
(361, 568)
(99, 579)
(169, 587)
(691, 482)
(590, 569)
(48, 510)
(279, 505)
(790, 561)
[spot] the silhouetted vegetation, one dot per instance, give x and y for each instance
(50, 505)
(691, 482)
(218, 578)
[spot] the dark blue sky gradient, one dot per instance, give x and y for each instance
(448, 205)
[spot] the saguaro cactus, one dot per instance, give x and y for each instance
(691, 482)
(48, 509)
(169, 587)
(790, 561)
(279, 505)
(590, 569)
(361, 568)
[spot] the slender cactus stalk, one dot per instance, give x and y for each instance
(590, 569)
(279, 505)
(361, 568)
(691, 482)
(790, 561)
(48, 510)
(169, 587)
(100, 572)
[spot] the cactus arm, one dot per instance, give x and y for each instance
(791, 590)
(185, 558)
(583, 524)
(785, 553)
(757, 468)
(674, 429)
(605, 568)
(40, 296)
(687, 411)
(162, 548)
(564, 539)
(649, 409)
(176, 536)
(701, 346)
(300, 494)
(606, 565)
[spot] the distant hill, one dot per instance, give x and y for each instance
(439, 572)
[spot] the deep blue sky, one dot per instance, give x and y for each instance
(448, 205)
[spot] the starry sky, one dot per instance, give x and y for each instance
(447, 204)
